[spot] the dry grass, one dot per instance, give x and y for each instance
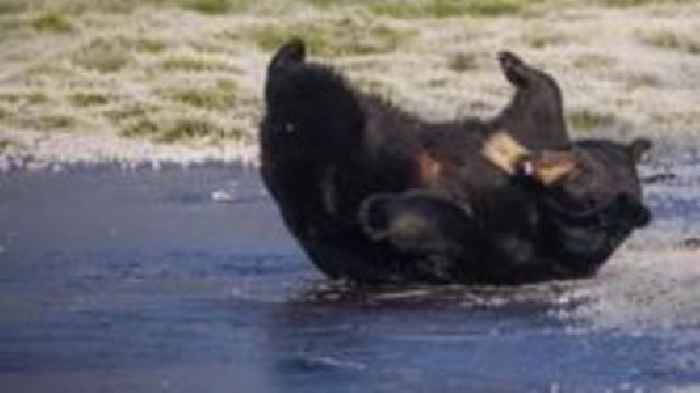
(88, 99)
(190, 72)
(210, 99)
(52, 23)
(103, 55)
(594, 61)
(214, 6)
(541, 38)
(447, 8)
(669, 39)
(636, 3)
(587, 120)
(200, 63)
(463, 62)
(345, 36)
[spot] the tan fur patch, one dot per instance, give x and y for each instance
(551, 167)
(504, 151)
(429, 169)
(547, 166)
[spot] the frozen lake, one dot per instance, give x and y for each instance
(115, 280)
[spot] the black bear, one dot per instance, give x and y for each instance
(565, 212)
(376, 195)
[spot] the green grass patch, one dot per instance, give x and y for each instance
(140, 44)
(79, 7)
(496, 7)
(195, 63)
(213, 7)
(24, 98)
(10, 25)
(636, 3)
(142, 127)
(49, 122)
(587, 120)
(227, 84)
(123, 114)
(12, 6)
(447, 8)
(463, 62)
(179, 130)
(5, 144)
(15, 29)
(639, 80)
(54, 70)
(591, 61)
(149, 45)
(539, 39)
(56, 122)
(437, 83)
(623, 3)
(52, 22)
(344, 37)
(187, 128)
(666, 39)
(210, 99)
(103, 55)
(88, 99)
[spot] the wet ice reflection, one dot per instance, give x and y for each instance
(114, 280)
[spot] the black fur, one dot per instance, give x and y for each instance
(377, 195)
(322, 154)
(587, 217)
(535, 115)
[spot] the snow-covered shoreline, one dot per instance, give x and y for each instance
(171, 85)
(49, 151)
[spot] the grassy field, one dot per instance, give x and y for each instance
(182, 79)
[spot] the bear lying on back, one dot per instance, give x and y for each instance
(376, 195)
(565, 214)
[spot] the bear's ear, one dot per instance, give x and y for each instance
(294, 51)
(638, 147)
